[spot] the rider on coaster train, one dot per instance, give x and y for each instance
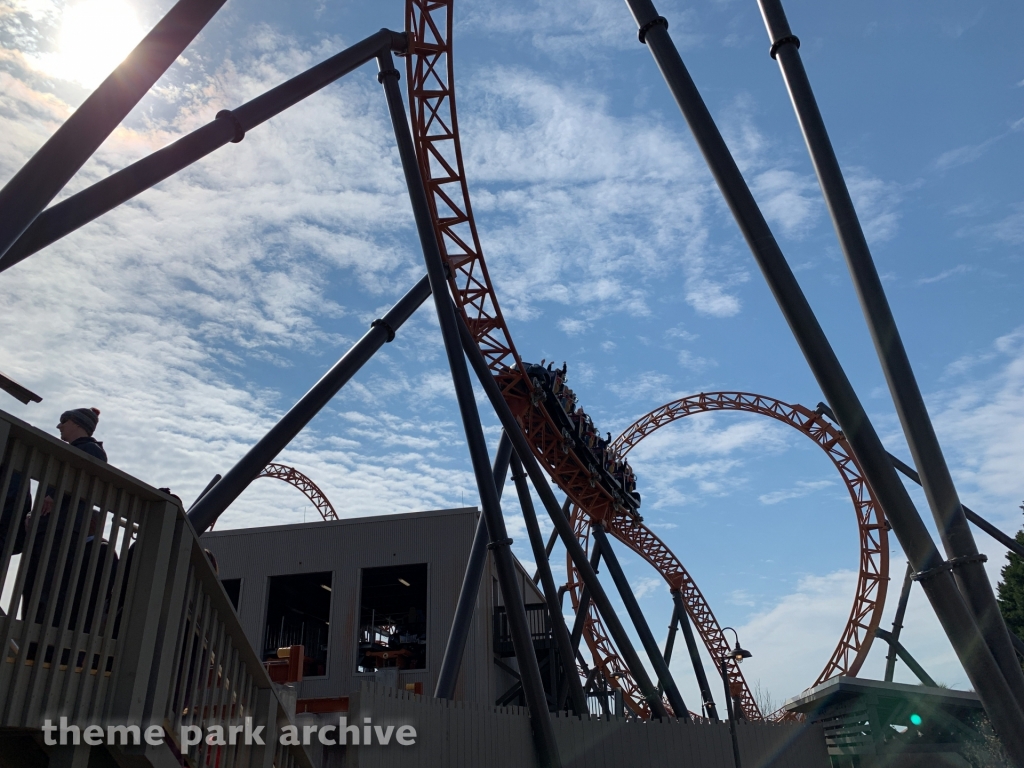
(554, 382)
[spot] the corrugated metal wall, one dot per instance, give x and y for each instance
(442, 539)
(458, 735)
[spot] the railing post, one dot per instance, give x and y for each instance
(266, 716)
(172, 612)
(141, 623)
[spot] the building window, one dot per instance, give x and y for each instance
(233, 587)
(299, 613)
(393, 618)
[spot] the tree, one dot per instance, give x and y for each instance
(1011, 589)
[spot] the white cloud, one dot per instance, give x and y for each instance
(584, 208)
(877, 202)
(571, 29)
(959, 269)
(1011, 228)
(572, 326)
(651, 585)
(801, 489)
(693, 362)
(790, 201)
(981, 426)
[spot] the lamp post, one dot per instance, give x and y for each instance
(738, 655)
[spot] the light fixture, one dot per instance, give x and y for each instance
(739, 654)
(405, 582)
(325, 586)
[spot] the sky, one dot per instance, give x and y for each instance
(195, 315)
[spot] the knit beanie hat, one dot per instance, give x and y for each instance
(86, 418)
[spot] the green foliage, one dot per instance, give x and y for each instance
(1011, 590)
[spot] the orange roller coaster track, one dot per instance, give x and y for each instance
(293, 477)
(872, 583)
(431, 89)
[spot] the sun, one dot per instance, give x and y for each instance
(95, 36)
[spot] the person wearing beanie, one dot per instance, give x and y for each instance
(76, 427)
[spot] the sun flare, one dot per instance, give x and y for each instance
(95, 36)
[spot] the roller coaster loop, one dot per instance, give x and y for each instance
(872, 583)
(292, 476)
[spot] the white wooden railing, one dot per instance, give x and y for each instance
(113, 615)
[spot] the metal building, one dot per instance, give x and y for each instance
(357, 569)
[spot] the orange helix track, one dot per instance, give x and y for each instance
(872, 583)
(431, 91)
(293, 477)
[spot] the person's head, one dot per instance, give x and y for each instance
(81, 422)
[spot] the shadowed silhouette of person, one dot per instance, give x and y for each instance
(76, 428)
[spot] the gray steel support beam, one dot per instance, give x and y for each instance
(52, 166)
(228, 127)
(956, 618)
(213, 502)
(579, 558)
(522, 642)
(566, 656)
(547, 553)
(451, 663)
(1007, 541)
(937, 482)
(643, 629)
(691, 647)
(673, 629)
(584, 608)
(909, 660)
(897, 622)
(213, 481)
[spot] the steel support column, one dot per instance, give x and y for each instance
(522, 642)
(584, 607)
(698, 667)
(937, 482)
(956, 618)
(1007, 541)
(229, 126)
(451, 663)
(909, 660)
(565, 532)
(897, 622)
(673, 629)
(52, 166)
(547, 552)
(562, 642)
(213, 502)
(643, 629)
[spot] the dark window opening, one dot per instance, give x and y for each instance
(233, 587)
(299, 613)
(393, 618)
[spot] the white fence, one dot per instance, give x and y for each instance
(456, 735)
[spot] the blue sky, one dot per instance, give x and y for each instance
(194, 316)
